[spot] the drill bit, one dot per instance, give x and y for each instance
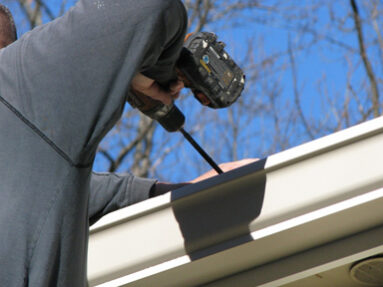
(201, 151)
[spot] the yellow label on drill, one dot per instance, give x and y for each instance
(205, 66)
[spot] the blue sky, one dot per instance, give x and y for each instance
(321, 71)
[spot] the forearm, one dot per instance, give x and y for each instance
(110, 192)
(163, 68)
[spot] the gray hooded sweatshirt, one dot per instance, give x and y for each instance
(62, 88)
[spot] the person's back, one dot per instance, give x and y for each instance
(62, 87)
(43, 216)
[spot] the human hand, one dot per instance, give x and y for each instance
(152, 89)
(164, 187)
(201, 97)
(225, 167)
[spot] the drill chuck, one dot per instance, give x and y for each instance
(173, 120)
(169, 116)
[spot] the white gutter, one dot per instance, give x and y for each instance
(309, 196)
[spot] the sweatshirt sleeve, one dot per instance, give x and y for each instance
(74, 73)
(112, 191)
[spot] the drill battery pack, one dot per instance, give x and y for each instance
(209, 69)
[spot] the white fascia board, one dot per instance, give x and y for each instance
(292, 201)
(310, 262)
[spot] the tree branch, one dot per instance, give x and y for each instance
(125, 151)
(296, 92)
(46, 8)
(366, 62)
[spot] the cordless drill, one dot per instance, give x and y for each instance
(205, 67)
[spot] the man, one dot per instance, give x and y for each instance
(62, 88)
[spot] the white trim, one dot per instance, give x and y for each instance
(336, 180)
